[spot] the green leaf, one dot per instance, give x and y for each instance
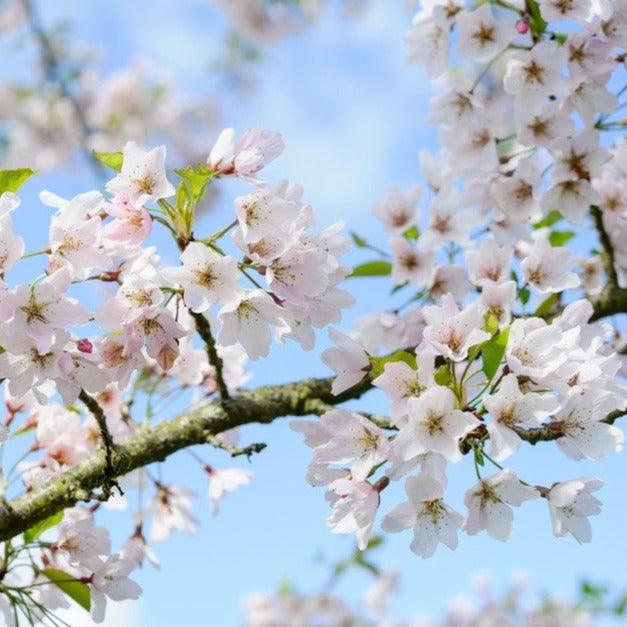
(547, 305)
(11, 180)
(537, 23)
(492, 353)
(550, 219)
(524, 295)
(378, 363)
(76, 590)
(372, 268)
(443, 376)
(559, 238)
(412, 233)
(30, 535)
(193, 184)
(112, 160)
(360, 242)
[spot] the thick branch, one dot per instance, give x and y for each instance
(262, 405)
(613, 299)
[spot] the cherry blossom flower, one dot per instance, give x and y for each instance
(481, 36)
(246, 156)
(399, 211)
(509, 407)
(580, 419)
(451, 332)
(349, 360)
(488, 504)
(570, 502)
(110, 580)
(142, 178)
(434, 426)
(206, 278)
(546, 267)
(432, 519)
(223, 480)
(354, 504)
(247, 320)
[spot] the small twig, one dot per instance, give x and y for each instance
(93, 406)
(234, 451)
(204, 330)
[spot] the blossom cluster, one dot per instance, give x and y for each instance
(281, 281)
(492, 347)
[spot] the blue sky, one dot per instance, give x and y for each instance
(353, 118)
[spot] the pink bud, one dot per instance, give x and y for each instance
(84, 346)
(522, 27)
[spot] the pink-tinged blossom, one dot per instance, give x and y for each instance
(450, 279)
(509, 407)
(613, 29)
(489, 262)
(428, 42)
(451, 332)
(400, 209)
(41, 311)
(61, 436)
(543, 127)
(246, 156)
(354, 504)
(455, 106)
(546, 267)
(247, 321)
(26, 367)
(499, 300)
(588, 56)
(206, 278)
(224, 480)
(136, 298)
(558, 10)
(474, 148)
(11, 246)
(142, 178)
(533, 75)
(79, 541)
(590, 98)
(411, 265)
(488, 504)
(75, 233)
(132, 225)
(572, 197)
(481, 36)
(136, 549)
(379, 331)
(400, 382)
(435, 425)
(298, 275)
(171, 509)
(160, 333)
(118, 362)
(515, 195)
(110, 580)
(570, 503)
(352, 440)
(349, 360)
(446, 222)
(534, 348)
(580, 420)
(433, 521)
(578, 157)
(80, 371)
(270, 218)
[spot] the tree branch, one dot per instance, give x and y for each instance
(262, 405)
(613, 299)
